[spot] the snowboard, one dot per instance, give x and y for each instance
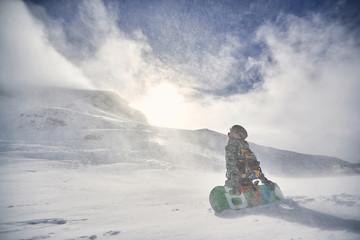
(223, 198)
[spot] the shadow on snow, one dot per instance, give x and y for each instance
(290, 211)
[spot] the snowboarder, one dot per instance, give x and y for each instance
(242, 167)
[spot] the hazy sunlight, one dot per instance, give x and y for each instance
(162, 106)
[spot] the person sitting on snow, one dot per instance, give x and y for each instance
(242, 167)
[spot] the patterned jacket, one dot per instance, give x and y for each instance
(240, 161)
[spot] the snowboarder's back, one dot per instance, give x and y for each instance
(242, 165)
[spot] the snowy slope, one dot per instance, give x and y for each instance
(44, 199)
(99, 127)
(82, 164)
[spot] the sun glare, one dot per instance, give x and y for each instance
(162, 105)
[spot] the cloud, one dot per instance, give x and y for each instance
(110, 58)
(182, 45)
(118, 65)
(313, 85)
(89, 52)
(223, 72)
(309, 99)
(26, 57)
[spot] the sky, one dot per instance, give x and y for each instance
(288, 71)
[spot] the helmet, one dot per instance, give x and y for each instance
(238, 131)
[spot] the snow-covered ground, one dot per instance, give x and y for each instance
(81, 164)
(43, 199)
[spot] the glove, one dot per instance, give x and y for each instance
(270, 184)
(267, 182)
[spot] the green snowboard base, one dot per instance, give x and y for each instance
(222, 197)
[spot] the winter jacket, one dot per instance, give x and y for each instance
(240, 160)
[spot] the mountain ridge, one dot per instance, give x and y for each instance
(99, 127)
